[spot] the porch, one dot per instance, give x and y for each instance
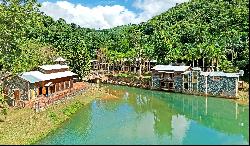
(42, 101)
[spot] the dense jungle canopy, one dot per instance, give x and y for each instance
(213, 30)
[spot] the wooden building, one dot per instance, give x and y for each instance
(46, 81)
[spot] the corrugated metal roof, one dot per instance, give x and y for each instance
(197, 68)
(186, 72)
(205, 73)
(168, 72)
(220, 74)
(170, 68)
(32, 76)
(55, 66)
(37, 76)
(217, 73)
(59, 75)
(232, 75)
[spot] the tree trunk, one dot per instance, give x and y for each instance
(140, 67)
(193, 63)
(113, 68)
(123, 67)
(149, 65)
(135, 66)
(203, 63)
(108, 68)
(212, 64)
(217, 63)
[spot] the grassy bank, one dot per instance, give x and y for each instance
(24, 126)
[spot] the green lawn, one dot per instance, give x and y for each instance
(24, 126)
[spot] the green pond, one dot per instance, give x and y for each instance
(153, 117)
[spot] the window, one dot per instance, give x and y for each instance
(185, 78)
(166, 75)
(177, 74)
(186, 86)
(195, 77)
(161, 75)
(171, 75)
(171, 85)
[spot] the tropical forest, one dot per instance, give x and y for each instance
(214, 31)
(49, 105)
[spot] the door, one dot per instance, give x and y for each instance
(52, 89)
(40, 90)
(16, 94)
(47, 91)
(170, 85)
(44, 91)
(71, 83)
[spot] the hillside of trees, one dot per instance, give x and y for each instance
(203, 32)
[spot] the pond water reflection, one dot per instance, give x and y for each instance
(153, 117)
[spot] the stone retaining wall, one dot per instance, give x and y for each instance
(132, 82)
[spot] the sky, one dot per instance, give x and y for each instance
(103, 14)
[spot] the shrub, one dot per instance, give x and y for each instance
(53, 116)
(69, 110)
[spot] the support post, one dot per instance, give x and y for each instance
(183, 80)
(206, 85)
(236, 88)
(206, 106)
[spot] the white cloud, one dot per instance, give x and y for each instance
(106, 16)
(152, 8)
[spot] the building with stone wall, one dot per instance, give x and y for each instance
(211, 83)
(192, 80)
(46, 81)
(168, 77)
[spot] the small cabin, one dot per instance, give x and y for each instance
(46, 81)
